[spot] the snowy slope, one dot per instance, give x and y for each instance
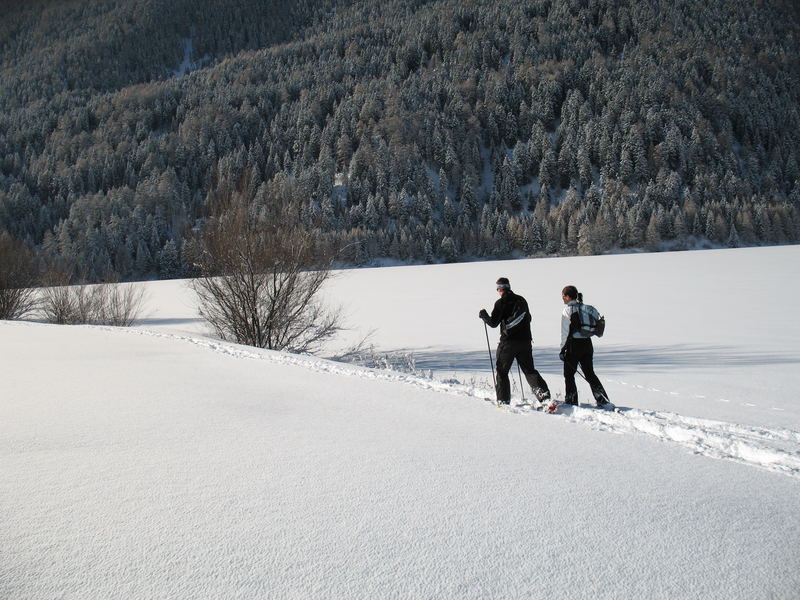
(158, 463)
(704, 333)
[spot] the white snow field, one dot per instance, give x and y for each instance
(157, 462)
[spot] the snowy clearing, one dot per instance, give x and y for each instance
(157, 462)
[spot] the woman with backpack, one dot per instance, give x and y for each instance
(577, 349)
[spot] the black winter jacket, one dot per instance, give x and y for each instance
(512, 314)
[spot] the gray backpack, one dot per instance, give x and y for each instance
(589, 321)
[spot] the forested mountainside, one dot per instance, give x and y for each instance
(407, 129)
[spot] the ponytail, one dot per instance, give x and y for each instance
(580, 298)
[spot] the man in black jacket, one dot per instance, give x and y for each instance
(512, 314)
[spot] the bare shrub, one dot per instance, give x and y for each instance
(121, 304)
(260, 283)
(69, 305)
(64, 304)
(370, 357)
(18, 276)
(117, 304)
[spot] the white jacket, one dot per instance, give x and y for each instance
(569, 308)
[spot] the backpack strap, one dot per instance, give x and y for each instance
(575, 321)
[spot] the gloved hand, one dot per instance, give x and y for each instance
(563, 354)
(483, 314)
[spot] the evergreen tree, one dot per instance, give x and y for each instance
(448, 250)
(169, 264)
(107, 156)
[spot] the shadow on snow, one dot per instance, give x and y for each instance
(610, 360)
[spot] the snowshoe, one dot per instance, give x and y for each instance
(604, 404)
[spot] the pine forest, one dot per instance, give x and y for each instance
(397, 130)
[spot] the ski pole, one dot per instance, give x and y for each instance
(491, 360)
(521, 387)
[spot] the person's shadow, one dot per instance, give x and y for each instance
(614, 360)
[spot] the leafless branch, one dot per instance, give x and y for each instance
(260, 284)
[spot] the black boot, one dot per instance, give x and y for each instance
(542, 395)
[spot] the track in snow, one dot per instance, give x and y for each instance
(773, 449)
(776, 450)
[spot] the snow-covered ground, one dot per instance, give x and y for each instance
(157, 462)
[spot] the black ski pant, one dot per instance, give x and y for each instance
(580, 352)
(522, 351)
